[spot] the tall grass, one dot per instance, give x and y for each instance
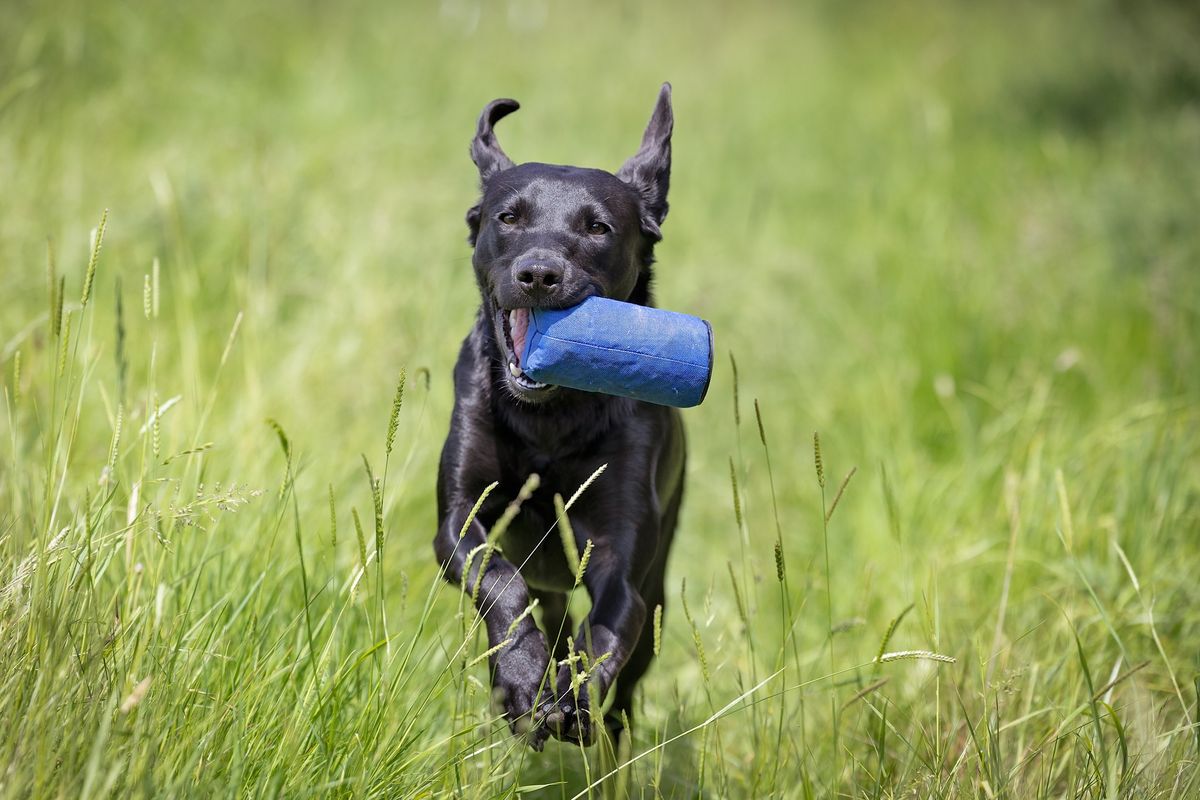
(960, 248)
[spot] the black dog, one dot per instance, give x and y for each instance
(547, 237)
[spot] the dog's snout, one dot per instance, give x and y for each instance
(540, 278)
(539, 275)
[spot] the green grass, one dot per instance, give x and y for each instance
(958, 241)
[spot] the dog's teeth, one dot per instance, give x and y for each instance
(512, 318)
(512, 370)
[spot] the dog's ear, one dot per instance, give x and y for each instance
(485, 150)
(473, 224)
(649, 170)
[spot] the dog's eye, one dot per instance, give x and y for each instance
(598, 229)
(507, 218)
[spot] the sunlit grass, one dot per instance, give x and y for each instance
(957, 242)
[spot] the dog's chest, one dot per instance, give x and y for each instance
(534, 544)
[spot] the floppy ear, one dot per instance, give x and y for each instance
(485, 150)
(649, 170)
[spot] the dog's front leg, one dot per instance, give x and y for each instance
(520, 659)
(605, 641)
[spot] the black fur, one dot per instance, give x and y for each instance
(549, 236)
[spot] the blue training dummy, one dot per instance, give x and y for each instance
(607, 346)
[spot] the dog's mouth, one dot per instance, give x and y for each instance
(513, 334)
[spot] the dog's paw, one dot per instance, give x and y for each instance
(569, 718)
(515, 701)
(518, 677)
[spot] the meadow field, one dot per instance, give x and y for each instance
(941, 537)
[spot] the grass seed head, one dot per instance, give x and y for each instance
(394, 418)
(583, 562)
(332, 518)
(64, 343)
(284, 443)
(891, 629)
(114, 449)
(89, 276)
(56, 308)
(696, 640)
(512, 627)
(583, 487)
(362, 540)
(762, 433)
(737, 500)
(512, 509)
(377, 499)
(486, 654)
(475, 508)
(376, 504)
(817, 459)
(658, 612)
(487, 548)
(915, 655)
(155, 428)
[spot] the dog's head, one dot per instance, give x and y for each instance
(548, 236)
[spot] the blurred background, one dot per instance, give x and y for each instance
(967, 192)
(958, 240)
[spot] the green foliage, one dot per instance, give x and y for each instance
(959, 241)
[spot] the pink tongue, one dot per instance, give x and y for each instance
(520, 327)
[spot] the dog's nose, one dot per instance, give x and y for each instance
(539, 278)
